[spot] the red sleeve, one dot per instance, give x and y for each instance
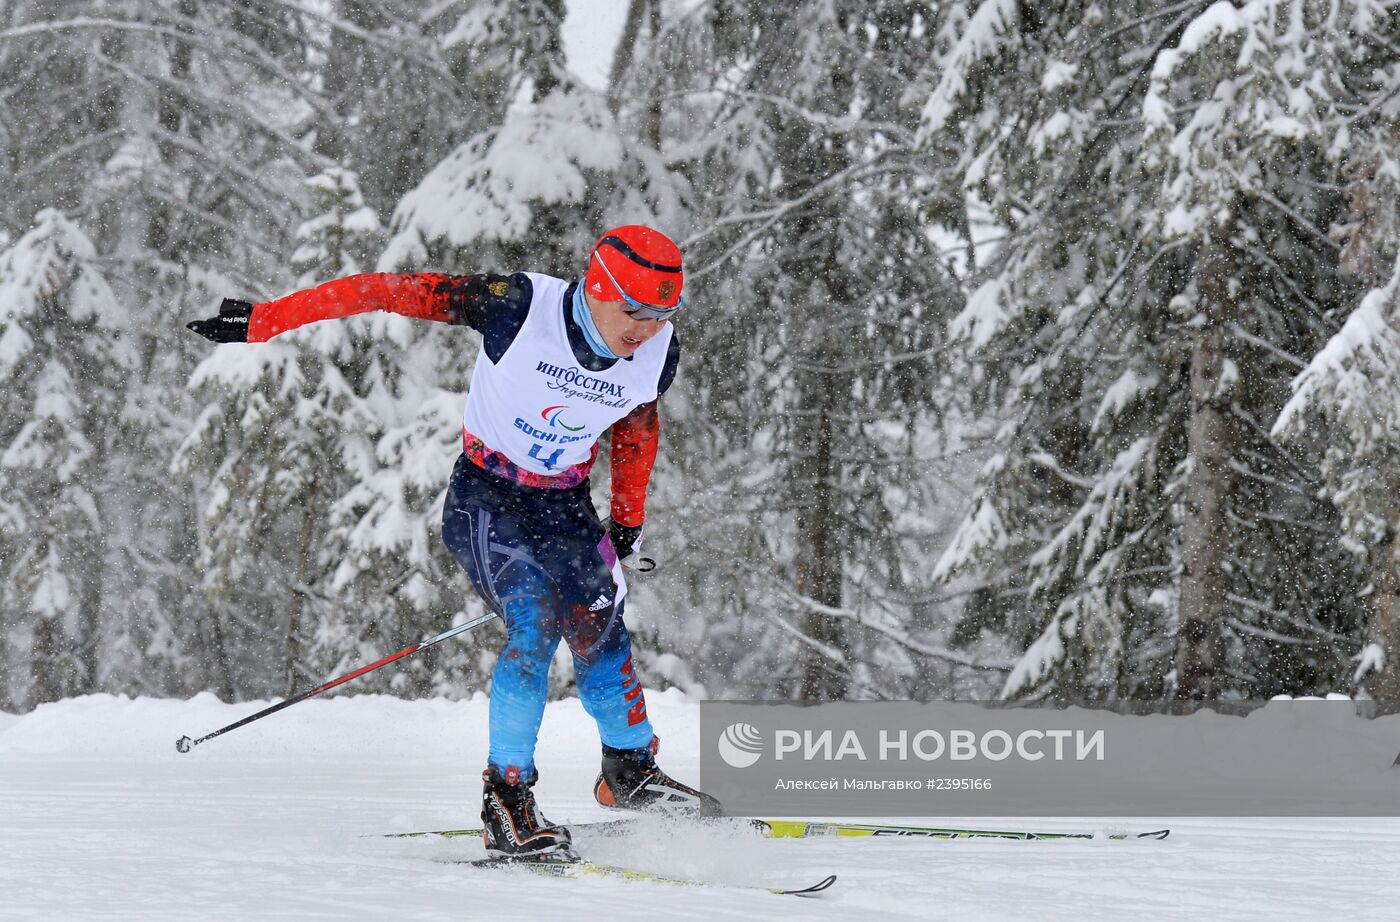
(634, 442)
(426, 296)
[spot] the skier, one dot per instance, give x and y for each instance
(560, 363)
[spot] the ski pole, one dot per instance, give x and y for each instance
(184, 743)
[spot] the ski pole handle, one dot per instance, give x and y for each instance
(185, 744)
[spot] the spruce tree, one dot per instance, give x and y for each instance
(1342, 407)
(166, 131)
(64, 353)
(806, 456)
(1162, 191)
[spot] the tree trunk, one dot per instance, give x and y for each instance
(217, 652)
(90, 611)
(626, 51)
(294, 649)
(819, 556)
(816, 256)
(1383, 630)
(637, 12)
(1210, 443)
(651, 122)
(47, 661)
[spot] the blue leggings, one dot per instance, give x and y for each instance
(542, 560)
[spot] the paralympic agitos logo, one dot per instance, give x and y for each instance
(553, 416)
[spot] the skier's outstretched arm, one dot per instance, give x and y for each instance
(456, 299)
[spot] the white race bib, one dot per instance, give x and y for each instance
(538, 406)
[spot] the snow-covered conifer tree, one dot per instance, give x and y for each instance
(808, 436)
(1352, 387)
(64, 354)
(1159, 181)
(530, 187)
(168, 131)
(325, 452)
(344, 235)
(1343, 404)
(272, 444)
(398, 96)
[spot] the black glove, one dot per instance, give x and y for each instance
(626, 540)
(231, 326)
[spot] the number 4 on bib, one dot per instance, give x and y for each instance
(547, 462)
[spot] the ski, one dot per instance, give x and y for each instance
(596, 827)
(572, 866)
(803, 829)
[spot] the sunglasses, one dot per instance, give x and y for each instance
(636, 308)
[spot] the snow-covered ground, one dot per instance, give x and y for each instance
(101, 818)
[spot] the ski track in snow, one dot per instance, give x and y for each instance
(100, 818)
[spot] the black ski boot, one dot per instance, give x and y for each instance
(631, 780)
(511, 823)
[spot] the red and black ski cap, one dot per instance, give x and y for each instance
(641, 261)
